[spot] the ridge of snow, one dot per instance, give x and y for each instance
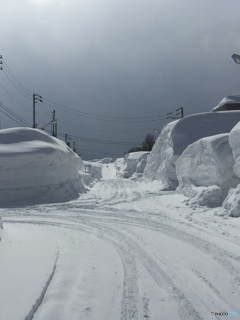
(233, 98)
(37, 167)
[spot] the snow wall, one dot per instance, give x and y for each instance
(232, 202)
(133, 164)
(161, 163)
(178, 135)
(36, 168)
(205, 170)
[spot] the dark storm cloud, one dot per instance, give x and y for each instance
(122, 58)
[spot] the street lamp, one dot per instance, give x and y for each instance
(236, 58)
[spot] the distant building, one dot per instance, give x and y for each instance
(228, 103)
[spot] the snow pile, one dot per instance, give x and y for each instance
(106, 160)
(232, 202)
(134, 164)
(36, 167)
(231, 99)
(161, 162)
(198, 126)
(178, 135)
(207, 163)
(94, 171)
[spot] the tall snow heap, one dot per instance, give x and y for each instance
(37, 167)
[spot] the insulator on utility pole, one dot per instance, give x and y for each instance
(178, 115)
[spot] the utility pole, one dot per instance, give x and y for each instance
(182, 115)
(66, 140)
(174, 115)
(36, 97)
(1, 62)
(54, 124)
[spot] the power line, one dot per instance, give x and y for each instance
(16, 86)
(15, 79)
(27, 93)
(12, 115)
(95, 116)
(122, 143)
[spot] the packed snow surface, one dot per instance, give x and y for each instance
(37, 167)
(123, 250)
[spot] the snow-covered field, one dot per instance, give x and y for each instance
(125, 248)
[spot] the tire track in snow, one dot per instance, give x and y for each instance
(128, 250)
(44, 290)
(130, 296)
(162, 279)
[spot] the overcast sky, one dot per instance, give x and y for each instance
(116, 59)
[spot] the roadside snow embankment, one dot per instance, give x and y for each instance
(134, 164)
(232, 202)
(205, 170)
(178, 135)
(93, 172)
(36, 167)
(161, 163)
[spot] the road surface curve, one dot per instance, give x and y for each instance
(119, 252)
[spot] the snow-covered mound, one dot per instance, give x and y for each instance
(106, 160)
(161, 163)
(207, 162)
(36, 167)
(231, 99)
(197, 126)
(133, 164)
(232, 202)
(94, 169)
(178, 135)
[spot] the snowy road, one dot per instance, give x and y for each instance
(122, 251)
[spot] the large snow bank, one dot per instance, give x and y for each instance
(208, 163)
(94, 169)
(231, 99)
(232, 202)
(161, 163)
(197, 126)
(36, 167)
(133, 164)
(178, 135)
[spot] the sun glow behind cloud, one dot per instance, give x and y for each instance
(47, 3)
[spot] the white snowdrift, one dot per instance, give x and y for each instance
(178, 135)
(231, 99)
(207, 163)
(232, 202)
(161, 163)
(198, 126)
(94, 169)
(134, 164)
(36, 167)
